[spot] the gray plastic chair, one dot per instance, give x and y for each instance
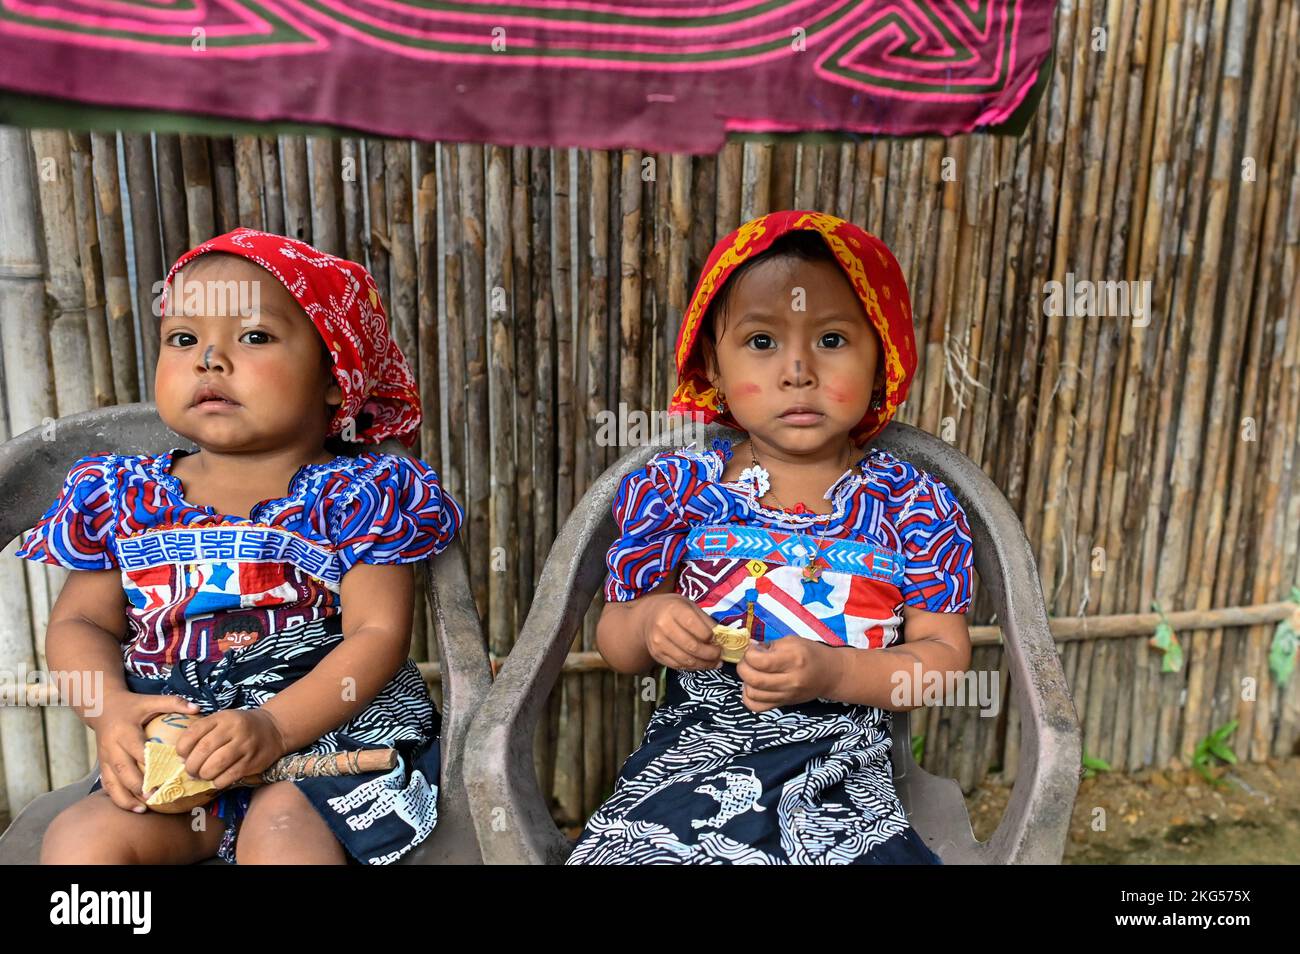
(32, 471)
(514, 825)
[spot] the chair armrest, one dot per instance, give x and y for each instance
(462, 649)
(1036, 823)
(510, 813)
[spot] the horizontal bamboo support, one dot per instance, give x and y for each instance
(1064, 629)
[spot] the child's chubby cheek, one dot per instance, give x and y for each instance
(844, 391)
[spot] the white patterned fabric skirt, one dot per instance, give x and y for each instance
(377, 816)
(715, 783)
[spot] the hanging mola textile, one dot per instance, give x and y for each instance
(670, 75)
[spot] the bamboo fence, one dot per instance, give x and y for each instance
(1151, 459)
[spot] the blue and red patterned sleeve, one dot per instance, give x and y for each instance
(937, 548)
(77, 530)
(396, 512)
(652, 530)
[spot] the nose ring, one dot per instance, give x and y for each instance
(207, 358)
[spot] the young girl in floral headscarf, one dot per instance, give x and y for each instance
(844, 564)
(256, 583)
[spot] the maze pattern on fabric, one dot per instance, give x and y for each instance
(674, 75)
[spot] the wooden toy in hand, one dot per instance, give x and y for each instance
(169, 789)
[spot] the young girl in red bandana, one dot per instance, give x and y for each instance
(849, 568)
(274, 356)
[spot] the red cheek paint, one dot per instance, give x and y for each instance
(839, 395)
(748, 389)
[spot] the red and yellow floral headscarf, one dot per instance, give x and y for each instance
(871, 270)
(342, 300)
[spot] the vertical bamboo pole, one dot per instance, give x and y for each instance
(248, 182)
(523, 331)
(83, 185)
(172, 214)
(403, 286)
(478, 451)
(352, 185)
(569, 783)
(297, 193)
(196, 167)
(146, 242)
(117, 284)
(730, 163)
(273, 183)
(785, 158)
(453, 303)
(756, 180)
(65, 287)
(564, 782)
(543, 245)
(377, 240)
(597, 399)
(426, 238)
(503, 579)
(224, 190)
(326, 202)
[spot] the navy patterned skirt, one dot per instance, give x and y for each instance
(714, 783)
(376, 816)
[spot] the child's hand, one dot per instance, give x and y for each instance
(677, 633)
(119, 743)
(226, 746)
(784, 672)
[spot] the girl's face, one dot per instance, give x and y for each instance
(797, 358)
(231, 381)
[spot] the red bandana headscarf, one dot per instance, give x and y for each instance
(342, 300)
(871, 270)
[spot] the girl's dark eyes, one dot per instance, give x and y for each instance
(765, 342)
(175, 338)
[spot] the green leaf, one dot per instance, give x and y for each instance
(1222, 751)
(1173, 658)
(1282, 652)
(918, 748)
(1094, 763)
(1164, 636)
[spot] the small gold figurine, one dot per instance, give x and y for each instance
(733, 641)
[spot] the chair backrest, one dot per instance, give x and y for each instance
(511, 815)
(34, 464)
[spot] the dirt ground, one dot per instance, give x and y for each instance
(1250, 816)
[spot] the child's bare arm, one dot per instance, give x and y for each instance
(794, 670)
(84, 636)
(83, 642)
(377, 606)
(940, 642)
(660, 627)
